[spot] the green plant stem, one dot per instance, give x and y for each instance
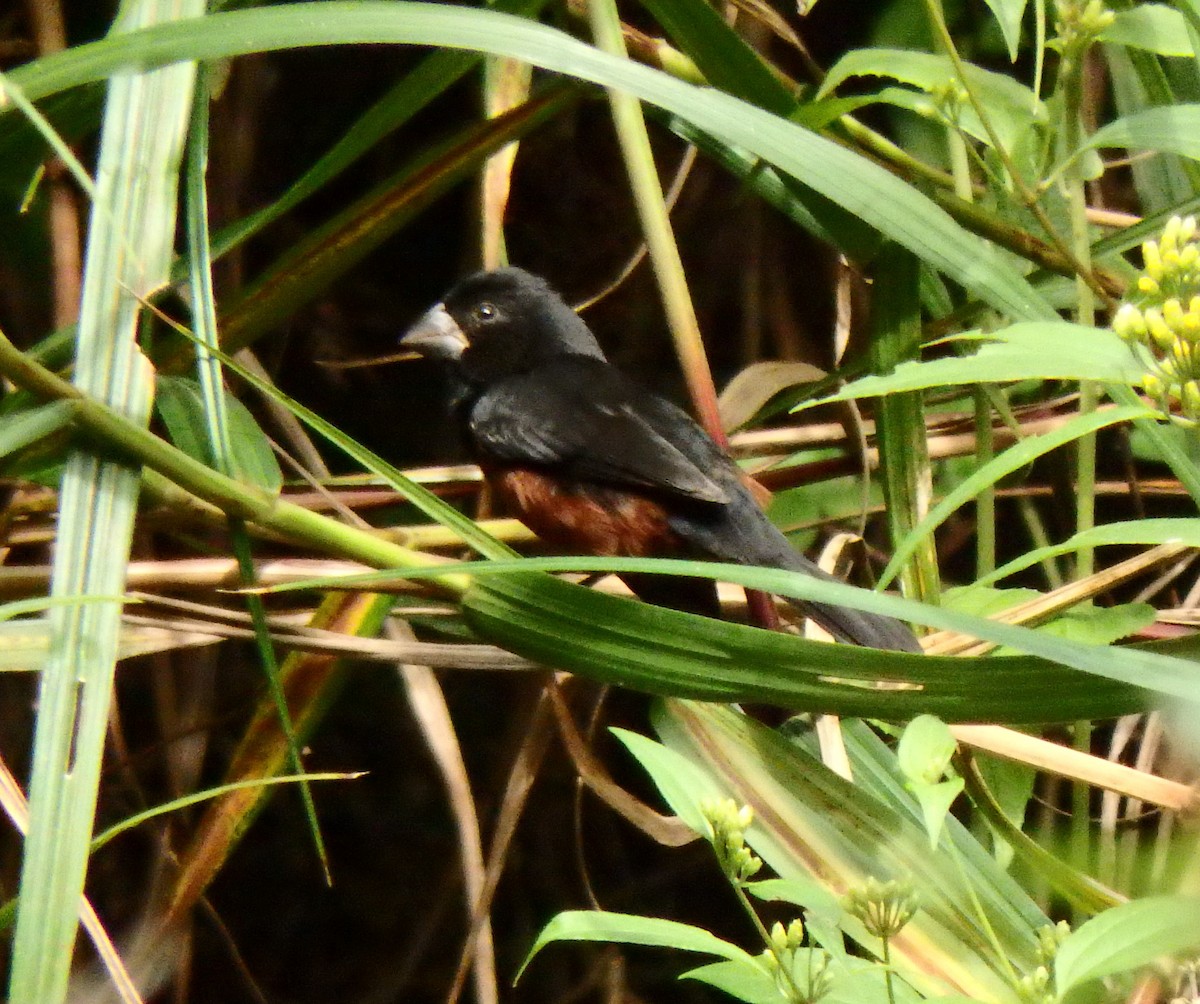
(116, 433)
(985, 504)
(1079, 888)
(748, 907)
(887, 970)
(656, 227)
(1041, 540)
(1081, 809)
(1080, 267)
(208, 367)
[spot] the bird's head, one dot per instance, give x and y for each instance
(496, 324)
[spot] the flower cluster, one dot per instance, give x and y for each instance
(883, 907)
(729, 824)
(1079, 23)
(1036, 988)
(801, 975)
(1164, 317)
(1050, 939)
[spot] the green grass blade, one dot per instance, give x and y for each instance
(858, 185)
(129, 249)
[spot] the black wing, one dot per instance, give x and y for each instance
(594, 424)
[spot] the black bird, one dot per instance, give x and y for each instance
(594, 463)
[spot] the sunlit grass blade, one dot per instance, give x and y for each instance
(129, 249)
(858, 185)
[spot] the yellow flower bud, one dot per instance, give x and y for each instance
(1190, 399)
(1181, 352)
(1172, 312)
(1152, 260)
(1169, 240)
(1148, 285)
(1159, 330)
(1154, 387)
(1129, 323)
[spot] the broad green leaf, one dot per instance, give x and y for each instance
(859, 186)
(33, 425)
(1154, 27)
(1010, 106)
(751, 984)
(621, 641)
(1008, 14)
(1128, 937)
(814, 897)
(682, 785)
(1090, 624)
(181, 404)
(1028, 351)
(1173, 129)
(845, 981)
(923, 756)
(623, 928)
(925, 749)
(814, 825)
(935, 801)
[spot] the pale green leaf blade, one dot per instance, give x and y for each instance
(28, 427)
(1128, 937)
(1171, 129)
(1008, 14)
(626, 929)
(1154, 27)
(1026, 351)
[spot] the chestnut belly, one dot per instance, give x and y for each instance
(583, 518)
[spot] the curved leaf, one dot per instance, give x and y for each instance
(1173, 129)
(624, 928)
(858, 185)
(1052, 350)
(1154, 27)
(1127, 937)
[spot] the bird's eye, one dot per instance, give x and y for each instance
(486, 311)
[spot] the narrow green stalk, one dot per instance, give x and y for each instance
(132, 225)
(212, 383)
(656, 227)
(1085, 313)
(887, 970)
(1029, 197)
(1041, 540)
(985, 504)
(1081, 809)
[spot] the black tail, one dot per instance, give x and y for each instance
(845, 624)
(741, 533)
